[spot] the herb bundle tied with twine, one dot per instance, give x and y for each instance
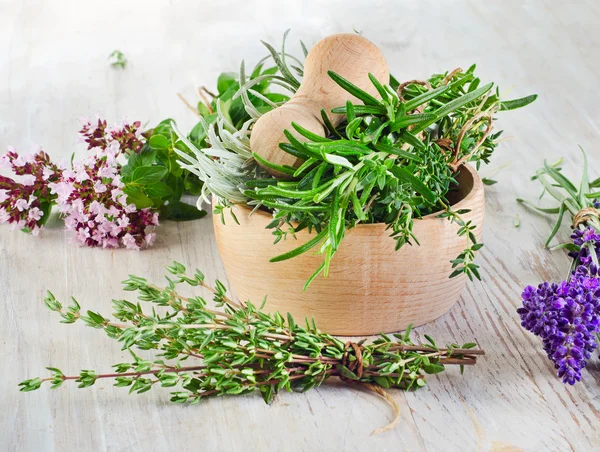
(237, 348)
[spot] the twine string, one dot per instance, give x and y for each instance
(446, 144)
(584, 215)
(354, 365)
(471, 123)
(354, 350)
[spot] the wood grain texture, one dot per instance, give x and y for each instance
(371, 288)
(53, 69)
(348, 55)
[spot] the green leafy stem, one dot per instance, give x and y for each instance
(577, 201)
(239, 348)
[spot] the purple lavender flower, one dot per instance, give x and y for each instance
(585, 239)
(566, 316)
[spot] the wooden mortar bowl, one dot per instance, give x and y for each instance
(370, 288)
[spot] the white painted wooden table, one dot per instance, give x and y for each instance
(53, 69)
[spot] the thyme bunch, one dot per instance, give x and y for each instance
(237, 348)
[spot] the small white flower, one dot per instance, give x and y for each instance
(114, 211)
(116, 182)
(107, 171)
(82, 175)
(21, 205)
(35, 214)
(99, 187)
(129, 242)
(47, 172)
(68, 174)
(62, 189)
(110, 242)
(123, 221)
(28, 179)
(77, 205)
(19, 161)
(116, 194)
(82, 235)
(3, 195)
(130, 208)
(150, 238)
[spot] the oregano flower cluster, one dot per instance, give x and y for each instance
(89, 196)
(25, 198)
(91, 199)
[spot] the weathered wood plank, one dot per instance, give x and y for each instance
(53, 69)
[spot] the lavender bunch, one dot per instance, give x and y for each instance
(566, 315)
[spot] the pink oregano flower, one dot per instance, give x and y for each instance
(89, 196)
(25, 199)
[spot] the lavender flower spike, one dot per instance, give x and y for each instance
(566, 316)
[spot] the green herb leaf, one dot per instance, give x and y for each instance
(517, 103)
(146, 175)
(301, 249)
(404, 176)
(159, 142)
(180, 211)
(353, 89)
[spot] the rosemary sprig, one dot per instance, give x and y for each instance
(239, 348)
(393, 161)
(579, 202)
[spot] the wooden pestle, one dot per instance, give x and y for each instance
(349, 55)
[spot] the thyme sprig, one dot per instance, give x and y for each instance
(238, 348)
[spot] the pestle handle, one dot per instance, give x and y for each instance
(349, 55)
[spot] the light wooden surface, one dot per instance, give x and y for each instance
(53, 69)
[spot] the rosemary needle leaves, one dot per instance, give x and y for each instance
(393, 161)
